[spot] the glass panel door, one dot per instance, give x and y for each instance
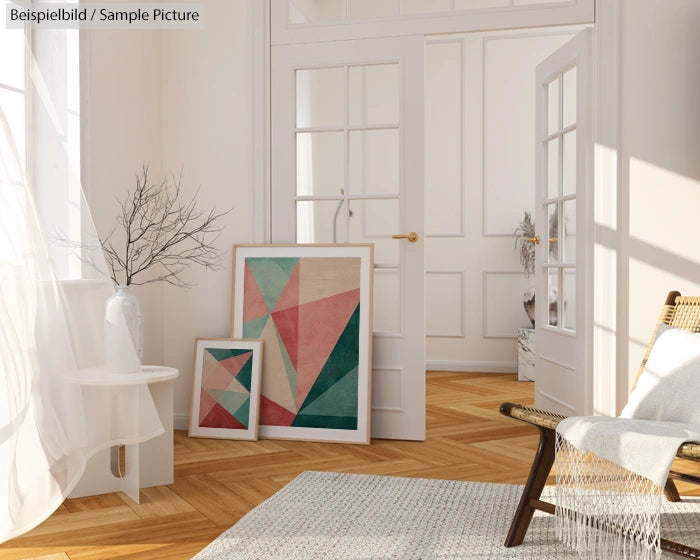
(564, 221)
(347, 167)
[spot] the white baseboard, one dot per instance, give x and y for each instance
(181, 422)
(476, 367)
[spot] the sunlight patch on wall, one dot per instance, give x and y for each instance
(663, 209)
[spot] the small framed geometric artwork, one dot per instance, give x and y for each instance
(312, 307)
(226, 388)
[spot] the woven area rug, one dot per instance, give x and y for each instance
(321, 515)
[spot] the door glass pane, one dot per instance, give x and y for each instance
(366, 9)
(569, 231)
(303, 11)
(569, 94)
(320, 97)
(569, 299)
(320, 163)
(387, 298)
(551, 305)
(569, 163)
(552, 168)
(374, 161)
(321, 221)
(553, 233)
(553, 106)
(374, 94)
(375, 221)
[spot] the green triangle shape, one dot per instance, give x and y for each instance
(271, 274)
(254, 328)
(344, 357)
(232, 401)
(243, 413)
(221, 354)
(339, 400)
(288, 365)
(327, 422)
(246, 373)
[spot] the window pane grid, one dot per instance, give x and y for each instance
(309, 199)
(559, 267)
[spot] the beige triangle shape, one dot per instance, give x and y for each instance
(327, 276)
(275, 384)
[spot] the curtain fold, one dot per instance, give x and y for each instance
(48, 328)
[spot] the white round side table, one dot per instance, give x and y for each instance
(149, 463)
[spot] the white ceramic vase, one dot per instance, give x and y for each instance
(123, 332)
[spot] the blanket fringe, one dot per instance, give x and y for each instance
(604, 511)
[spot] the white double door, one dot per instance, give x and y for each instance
(347, 167)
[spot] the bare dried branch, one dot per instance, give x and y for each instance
(161, 232)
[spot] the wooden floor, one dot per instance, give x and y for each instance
(218, 481)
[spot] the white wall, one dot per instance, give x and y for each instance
(206, 124)
(121, 107)
(647, 179)
(175, 100)
(659, 158)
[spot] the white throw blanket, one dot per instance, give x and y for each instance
(611, 471)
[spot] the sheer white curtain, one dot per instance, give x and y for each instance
(49, 328)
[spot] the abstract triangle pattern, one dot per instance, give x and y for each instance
(225, 389)
(342, 361)
(270, 275)
(219, 417)
(254, 305)
(317, 345)
(340, 398)
(310, 338)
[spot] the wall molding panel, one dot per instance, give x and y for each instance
(440, 303)
(388, 376)
(445, 185)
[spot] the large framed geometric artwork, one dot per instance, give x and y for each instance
(311, 305)
(226, 388)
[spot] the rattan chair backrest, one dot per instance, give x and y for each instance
(680, 312)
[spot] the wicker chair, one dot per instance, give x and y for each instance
(679, 311)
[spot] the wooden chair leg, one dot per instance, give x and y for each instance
(541, 466)
(671, 491)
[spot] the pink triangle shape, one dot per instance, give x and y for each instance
(206, 403)
(216, 377)
(272, 414)
(219, 417)
(254, 305)
(234, 364)
(287, 323)
(320, 325)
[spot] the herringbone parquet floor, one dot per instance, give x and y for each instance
(218, 481)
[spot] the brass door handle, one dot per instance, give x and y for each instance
(535, 240)
(412, 237)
